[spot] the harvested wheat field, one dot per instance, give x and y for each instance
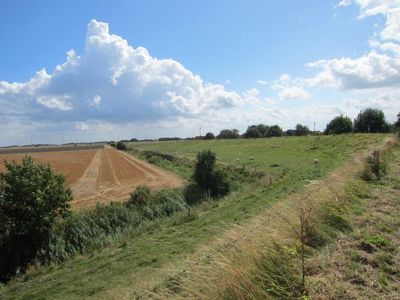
(100, 175)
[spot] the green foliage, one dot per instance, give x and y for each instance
(371, 120)
(228, 134)
(301, 130)
(378, 240)
(204, 170)
(209, 136)
(252, 132)
(212, 182)
(32, 197)
(397, 123)
(140, 197)
(338, 125)
(82, 232)
(274, 131)
(121, 146)
(256, 131)
(194, 194)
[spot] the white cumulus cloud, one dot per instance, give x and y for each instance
(111, 80)
(378, 68)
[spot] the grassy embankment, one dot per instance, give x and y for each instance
(350, 238)
(136, 262)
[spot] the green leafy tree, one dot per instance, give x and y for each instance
(274, 130)
(252, 132)
(32, 197)
(211, 181)
(371, 120)
(397, 124)
(256, 131)
(204, 169)
(228, 134)
(209, 136)
(302, 130)
(338, 125)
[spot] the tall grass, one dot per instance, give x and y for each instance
(86, 231)
(266, 263)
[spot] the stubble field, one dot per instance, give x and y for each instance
(100, 175)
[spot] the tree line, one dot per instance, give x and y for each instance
(370, 120)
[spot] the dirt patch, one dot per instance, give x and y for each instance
(102, 175)
(70, 163)
(117, 175)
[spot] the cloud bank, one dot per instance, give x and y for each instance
(113, 81)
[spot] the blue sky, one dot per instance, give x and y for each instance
(162, 68)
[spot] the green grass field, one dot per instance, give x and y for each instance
(145, 260)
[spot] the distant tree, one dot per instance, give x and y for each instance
(263, 129)
(32, 197)
(371, 120)
(338, 125)
(397, 124)
(256, 131)
(113, 144)
(290, 132)
(121, 146)
(252, 132)
(134, 140)
(228, 134)
(209, 136)
(274, 130)
(210, 180)
(301, 130)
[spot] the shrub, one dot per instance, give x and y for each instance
(121, 146)
(220, 185)
(210, 181)
(204, 170)
(32, 197)
(140, 197)
(194, 194)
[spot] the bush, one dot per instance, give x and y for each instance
(338, 125)
(32, 197)
(121, 146)
(140, 197)
(194, 194)
(204, 170)
(210, 181)
(220, 185)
